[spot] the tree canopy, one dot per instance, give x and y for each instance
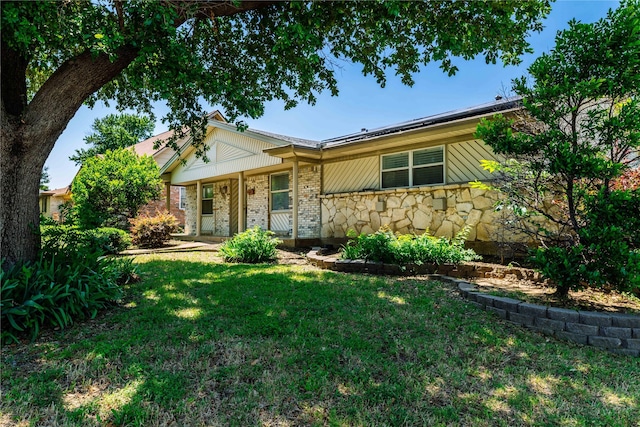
(566, 155)
(58, 55)
(112, 132)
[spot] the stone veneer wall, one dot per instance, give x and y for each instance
(411, 210)
(258, 203)
(309, 188)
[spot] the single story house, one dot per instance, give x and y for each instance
(412, 177)
(52, 200)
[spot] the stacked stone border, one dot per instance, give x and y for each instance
(615, 332)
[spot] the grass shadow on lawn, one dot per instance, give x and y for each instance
(204, 343)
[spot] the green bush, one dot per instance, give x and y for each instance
(66, 238)
(153, 232)
(385, 246)
(608, 253)
(56, 291)
(253, 246)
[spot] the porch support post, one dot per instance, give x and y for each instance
(167, 189)
(294, 235)
(198, 207)
(241, 197)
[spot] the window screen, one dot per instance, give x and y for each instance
(413, 168)
(280, 192)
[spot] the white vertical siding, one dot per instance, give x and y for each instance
(352, 175)
(227, 152)
(463, 161)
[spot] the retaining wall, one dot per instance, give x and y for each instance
(616, 332)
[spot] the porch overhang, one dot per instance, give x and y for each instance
(294, 152)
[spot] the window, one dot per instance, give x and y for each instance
(44, 204)
(207, 199)
(413, 168)
(183, 198)
(280, 192)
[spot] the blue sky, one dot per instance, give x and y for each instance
(361, 102)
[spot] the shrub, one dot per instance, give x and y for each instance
(385, 246)
(58, 239)
(253, 246)
(58, 290)
(153, 232)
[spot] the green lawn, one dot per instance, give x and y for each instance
(198, 342)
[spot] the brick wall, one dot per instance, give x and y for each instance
(258, 202)
(154, 207)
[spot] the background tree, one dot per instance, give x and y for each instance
(110, 189)
(574, 146)
(58, 55)
(114, 131)
(44, 179)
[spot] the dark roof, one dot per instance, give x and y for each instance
(291, 139)
(494, 106)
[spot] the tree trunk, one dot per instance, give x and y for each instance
(19, 186)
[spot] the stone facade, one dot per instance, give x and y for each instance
(440, 210)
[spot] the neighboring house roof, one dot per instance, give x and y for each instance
(56, 192)
(147, 146)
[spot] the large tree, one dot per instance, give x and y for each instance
(237, 54)
(112, 132)
(571, 157)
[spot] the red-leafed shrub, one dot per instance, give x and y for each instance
(153, 232)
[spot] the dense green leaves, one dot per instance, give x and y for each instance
(385, 246)
(110, 189)
(579, 135)
(254, 245)
(287, 51)
(114, 131)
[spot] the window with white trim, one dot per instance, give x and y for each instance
(413, 168)
(183, 198)
(207, 199)
(280, 192)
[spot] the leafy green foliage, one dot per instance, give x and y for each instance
(110, 189)
(385, 246)
(285, 50)
(153, 232)
(64, 238)
(113, 132)
(568, 154)
(56, 291)
(252, 246)
(44, 179)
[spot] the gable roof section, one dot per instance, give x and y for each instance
(266, 137)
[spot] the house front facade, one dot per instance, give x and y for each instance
(412, 177)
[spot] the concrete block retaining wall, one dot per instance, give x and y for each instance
(616, 332)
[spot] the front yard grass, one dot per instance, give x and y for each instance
(198, 342)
